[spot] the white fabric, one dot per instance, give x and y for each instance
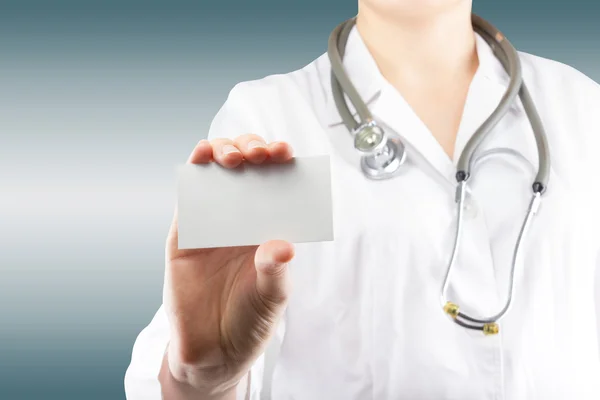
(364, 321)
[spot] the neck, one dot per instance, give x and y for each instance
(425, 46)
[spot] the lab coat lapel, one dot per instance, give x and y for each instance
(513, 131)
(392, 111)
(483, 98)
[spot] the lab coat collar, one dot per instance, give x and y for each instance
(366, 77)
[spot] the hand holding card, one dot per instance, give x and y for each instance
(227, 282)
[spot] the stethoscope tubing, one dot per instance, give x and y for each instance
(508, 56)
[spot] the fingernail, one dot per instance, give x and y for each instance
(256, 143)
(229, 149)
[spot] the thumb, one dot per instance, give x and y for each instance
(272, 278)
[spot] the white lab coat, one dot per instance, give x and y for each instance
(364, 321)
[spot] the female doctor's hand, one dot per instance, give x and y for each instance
(223, 303)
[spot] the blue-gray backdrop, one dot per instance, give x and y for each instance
(99, 100)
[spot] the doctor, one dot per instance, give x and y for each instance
(360, 318)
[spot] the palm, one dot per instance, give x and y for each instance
(217, 292)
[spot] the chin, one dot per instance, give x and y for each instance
(411, 7)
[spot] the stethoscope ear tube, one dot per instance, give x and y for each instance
(340, 82)
(510, 60)
(506, 54)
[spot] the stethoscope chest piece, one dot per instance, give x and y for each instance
(385, 163)
(382, 155)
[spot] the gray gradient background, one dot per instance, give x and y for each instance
(99, 100)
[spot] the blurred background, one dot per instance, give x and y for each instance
(99, 100)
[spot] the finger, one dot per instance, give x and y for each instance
(280, 151)
(202, 153)
(253, 148)
(226, 153)
(272, 280)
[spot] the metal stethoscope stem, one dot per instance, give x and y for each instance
(487, 325)
(382, 156)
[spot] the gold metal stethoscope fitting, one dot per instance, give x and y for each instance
(491, 329)
(451, 309)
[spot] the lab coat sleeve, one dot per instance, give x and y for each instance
(597, 233)
(598, 300)
(238, 115)
(593, 99)
(594, 102)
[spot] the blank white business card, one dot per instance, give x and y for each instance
(248, 205)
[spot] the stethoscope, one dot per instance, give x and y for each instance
(382, 156)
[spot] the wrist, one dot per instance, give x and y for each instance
(180, 382)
